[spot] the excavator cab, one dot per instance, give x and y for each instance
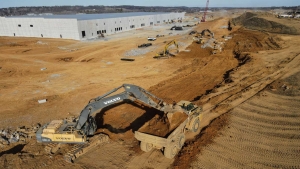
(189, 106)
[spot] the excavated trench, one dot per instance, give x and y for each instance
(242, 60)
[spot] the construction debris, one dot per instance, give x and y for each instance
(138, 52)
(21, 134)
(144, 45)
(42, 101)
(127, 59)
(41, 43)
(151, 39)
(160, 36)
(189, 25)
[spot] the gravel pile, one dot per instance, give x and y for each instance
(41, 43)
(138, 52)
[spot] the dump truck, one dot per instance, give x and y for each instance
(173, 141)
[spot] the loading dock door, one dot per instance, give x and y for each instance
(83, 33)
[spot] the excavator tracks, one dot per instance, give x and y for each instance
(51, 148)
(80, 149)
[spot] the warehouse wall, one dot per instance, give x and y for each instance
(39, 27)
(90, 28)
(79, 29)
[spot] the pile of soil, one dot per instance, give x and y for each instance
(253, 41)
(161, 126)
(252, 21)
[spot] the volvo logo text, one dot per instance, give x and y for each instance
(112, 100)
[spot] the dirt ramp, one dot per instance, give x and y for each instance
(253, 21)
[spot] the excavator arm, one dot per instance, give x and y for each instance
(132, 93)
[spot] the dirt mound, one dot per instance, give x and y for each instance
(253, 21)
(254, 41)
(161, 127)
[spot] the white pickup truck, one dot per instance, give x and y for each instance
(151, 39)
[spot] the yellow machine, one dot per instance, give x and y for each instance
(69, 135)
(165, 52)
(81, 131)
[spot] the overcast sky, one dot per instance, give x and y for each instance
(189, 3)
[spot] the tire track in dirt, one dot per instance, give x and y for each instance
(240, 92)
(255, 139)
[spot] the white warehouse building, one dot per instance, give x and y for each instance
(81, 26)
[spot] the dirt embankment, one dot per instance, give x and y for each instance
(262, 132)
(244, 43)
(252, 21)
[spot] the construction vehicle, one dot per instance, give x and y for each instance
(100, 34)
(173, 142)
(205, 11)
(208, 40)
(165, 52)
(81, 131)
(151, 39)
(211, 34)
(202, 37)
(177, 28)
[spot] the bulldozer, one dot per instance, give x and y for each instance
(165, 53)
(81, 131)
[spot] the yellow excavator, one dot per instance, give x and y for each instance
(165, 52)
(82, 131)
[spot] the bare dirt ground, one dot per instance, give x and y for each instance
(79, 71)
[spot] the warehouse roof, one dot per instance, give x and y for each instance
(90, 16)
